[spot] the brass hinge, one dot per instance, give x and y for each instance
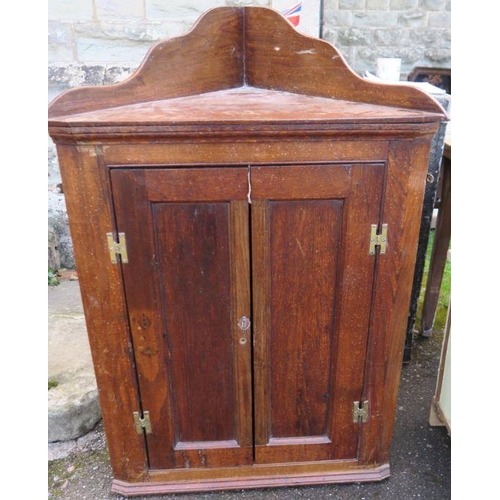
(117, 248)
(378, 239)
(142, 423)
(360, 411)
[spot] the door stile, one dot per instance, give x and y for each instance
(365, 448)
(261, 289)
(144, 299)
(241, 310)
(362, 208)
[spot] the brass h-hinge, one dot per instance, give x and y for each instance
(117, 248)
(360, 411)
(378, 239)
(142, 423)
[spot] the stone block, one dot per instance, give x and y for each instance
(337, 18)
(103, 43)
(377, 4)
(54, 259)
(413, 19)
(69, 10)
(409, 55)
(58, 222)
(64, 76)
(119, 9)
(441, 56)
(368, 55)
(330, 5)
(432, 38)
(54, 176)
(60, 45)
(436, 5)
(352, 4)
(175, 9)
(403, 4)
(242, 3)
(426, 36)
(439, 20)
(356, 36)
(374, 19)
(123, 42)
(73, 404)
(74, 408)
(391, 37)
(154, 31)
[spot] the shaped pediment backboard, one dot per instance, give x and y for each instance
(231, 47)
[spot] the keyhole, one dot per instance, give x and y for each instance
(244, 323)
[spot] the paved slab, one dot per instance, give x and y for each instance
(73, 404)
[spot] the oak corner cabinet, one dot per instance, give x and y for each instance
(245, 214)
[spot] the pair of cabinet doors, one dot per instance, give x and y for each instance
(249, 294)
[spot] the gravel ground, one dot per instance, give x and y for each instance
(420, 463)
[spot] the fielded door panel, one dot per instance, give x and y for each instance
(312, 286)
(187, 285)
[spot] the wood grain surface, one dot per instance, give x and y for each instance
(245, 163)
(313, 281)
(234, 47)
(187, 281)
(91, 216)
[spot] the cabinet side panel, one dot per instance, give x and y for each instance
(304, 251)
(88, 204)
(193, 244)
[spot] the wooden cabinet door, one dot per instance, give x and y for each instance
(312, 286)
(187, 285)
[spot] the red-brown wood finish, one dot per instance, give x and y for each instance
(86, 185)
(187, 284)
(441, 245)
(231, 47)
(245, 164)
(313, 282)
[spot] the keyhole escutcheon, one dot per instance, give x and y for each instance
(243, 325)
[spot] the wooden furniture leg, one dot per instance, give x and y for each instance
(439, 250)
(432, 190)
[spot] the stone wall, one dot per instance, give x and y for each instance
(417, 31)
(96, 42)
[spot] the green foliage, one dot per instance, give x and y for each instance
(53, 277)
(52, 384)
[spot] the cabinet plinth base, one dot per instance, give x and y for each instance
(237, 482)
